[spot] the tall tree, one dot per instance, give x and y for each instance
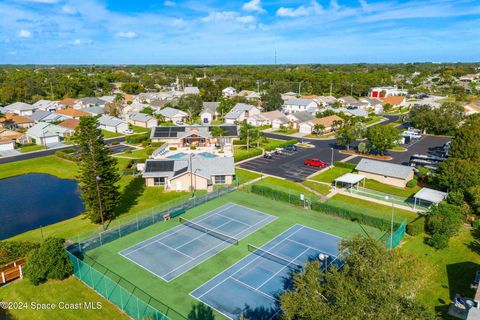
(271, 100)
(191, 104)
(318, 129)
(98, 173)
(346, 136)
(466, 143)
(373, 284)
(382, 137)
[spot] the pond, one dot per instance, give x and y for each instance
(33, 200)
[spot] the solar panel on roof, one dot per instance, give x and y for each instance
(159, 166)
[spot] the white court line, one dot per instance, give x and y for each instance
(183, 254)
(223, 242)
(175, 230)
(258, 257)
(255, 289)
(203, 234)
(313, 248)
(226, 316)
(221, 215)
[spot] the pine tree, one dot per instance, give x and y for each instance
(98, 174)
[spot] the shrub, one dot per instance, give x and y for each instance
(13, 250)
(128, 151)
(476, 224)
(49, 261)
(150, 150)
(172, 148)
(347, 165)
(115, 143)
(276, 194)
(156, 144)
(66, 156)
(438, 241)
(246, 155)
(239, 142)
(137, 138)
(412, 183)
(193, 148)
(416, 227)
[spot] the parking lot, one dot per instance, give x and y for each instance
(290, 166)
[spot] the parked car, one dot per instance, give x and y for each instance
(179, 123)
(315, 163)
(128, 131)
(290, 148)
(278, 151)
(267, 155)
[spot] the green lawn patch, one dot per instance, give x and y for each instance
(370, 208)
(403, 192)
(71, 290)
(331, 174)
(50, 164)
(327, 135)
(35, 147)
(288, 131)
(245, 175)
(286, 186)
(319, 187)
(241, 153)
(372, 120)
(109, 134)
(138, 129)
(134, 154)
(451, 270)
(176, 293)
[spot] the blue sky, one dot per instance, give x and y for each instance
(238, 32)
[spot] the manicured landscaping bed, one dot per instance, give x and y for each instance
(331, 174)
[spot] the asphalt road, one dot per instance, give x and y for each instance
(47, 152)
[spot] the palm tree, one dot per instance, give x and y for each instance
(218, 132)
(318, 129)
(337, 124)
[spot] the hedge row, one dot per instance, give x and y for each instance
(13, 250)
(250, 154)
(276, 194)
(416, 227)
(66, 155)
(282, 145)
(347, 165)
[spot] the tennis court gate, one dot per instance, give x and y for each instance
(397, 237)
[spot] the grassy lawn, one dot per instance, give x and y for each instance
(50, 164)
(286, 186)
(241, 153)
(176, 292)
(398, 149)
(403, 192)
(288, 131)
(109, 134)
(67, 291)
(138, 129)
(331, 174)
(451, 270)
(319, 187)
(134, 154)
(327, 135)
(370, 208)
(372, 120)
(245, 176)
(32, 148)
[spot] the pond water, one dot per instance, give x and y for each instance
(33, 200)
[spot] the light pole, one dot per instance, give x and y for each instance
(97, 179)
(391, 224)
(331, 161)
(195, 181)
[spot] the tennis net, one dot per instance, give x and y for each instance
(273, 257)
(209, 231)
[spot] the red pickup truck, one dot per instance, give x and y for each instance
(315, 163)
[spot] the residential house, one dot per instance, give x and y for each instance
(189, 174)
(94, 111)
(471, 108)
(70, 124)
(388, 173)
(191, 90)
(288, 95)
(6, 145)
(112, 124)
(299, 117)
(395, 101)
(141, 120)
(325, 100)
(47, 105)
(328, 122)
(68, 103)
(265, 118)
(20, 108)
(158, 104)
(348, 101)
(172, 114)
(293, 105)
(73, 113)
(17, 137)
(92, 102)
(240, 112)
(383, 92)
(209, 112)
(14, 121)
(48, 134)
(107, 99)
(373, 104)
(46, 116)
(255, 96)
(229, 92)
(280, 122)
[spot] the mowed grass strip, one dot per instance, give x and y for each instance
(402, 192)
(176, 292)
(244, 176)
(69, 291)
(318, 187)
(331, 174)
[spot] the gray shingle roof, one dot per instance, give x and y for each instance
(303, 116)
(110, 121)
(20, 106)
(298, 102)
(142, 117)
(191, 90)
(384, 168)
(94, 101)
(237, 110)
(171, 112)
(210, 107)
(431, 195)
(94, 110)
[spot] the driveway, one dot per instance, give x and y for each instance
(119, 148)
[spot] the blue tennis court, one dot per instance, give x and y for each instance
(255, 281)
(174, 252)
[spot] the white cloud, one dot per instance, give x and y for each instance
(69, 9)
(24, 33)
(253, 5)
(334, 5)
(246, 19)
(79, 42)
(314, 8)
(169, 3)
(225, 16)
(363, 4)
(42, 1)
(128, 34)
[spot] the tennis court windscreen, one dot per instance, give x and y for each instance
(213, 233)
(273, 257)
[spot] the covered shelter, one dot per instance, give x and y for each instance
(431, 196)
(350, 179)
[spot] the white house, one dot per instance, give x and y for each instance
(265, 118)
(6, 144)
(191, 90)
(383, 92)
(172, 114)
(47, 134)
(327, 123)
(209, 112)
(20, 108)
(47, 105)
(240, 112)
(296, 105)
(229, 92)
(299, 117)
(141, 120)
(471, 108)
(112, 124)
(46, 116)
